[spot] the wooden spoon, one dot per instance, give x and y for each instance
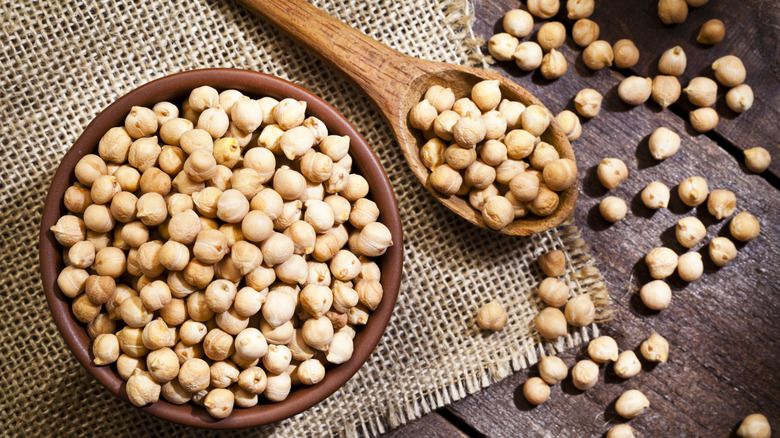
(396, 82)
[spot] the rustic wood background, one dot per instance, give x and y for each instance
(724, 360)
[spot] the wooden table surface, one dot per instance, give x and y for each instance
(724, 360)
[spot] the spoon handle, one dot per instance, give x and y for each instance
(381, 72)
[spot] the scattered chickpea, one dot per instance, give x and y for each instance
(551, 323)
(663, 143)
(702, 91)
(757, 159)
(693, 191)
(635, 90)
(627, 365)
(528, 55)
(711, 32)
(598, 55)
(551, 35)
(690, 266)
(721, 203)
(603, 349)
(690, 231)
(543, 9)
(491, 316)
(584, 32)
(518, 22)
(552, 369)
(754, 426)
(553, 65)
(672, 11)
(626, 54)
(578, 9)
(673, 61)
(587, 102)
(729, 70)
(631, 404)
(740, 98)
(613, 208)
(655, 348)
(570, 124)
(585, 374)
(553, 263)
(656, 295)
(553, 292)
(666, 90)
(580, 311)
(536, 391)
(501, 46)
(661, 261)
(744, 227)
(722, 251)
(621, 431)
(611, 172)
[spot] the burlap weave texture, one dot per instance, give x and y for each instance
(63, 62)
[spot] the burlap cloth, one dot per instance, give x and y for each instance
(63, 62)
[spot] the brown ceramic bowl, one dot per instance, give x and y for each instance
(174, 88)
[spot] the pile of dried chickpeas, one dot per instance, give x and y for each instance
(665, 89)
(476, 148)
(221, 251)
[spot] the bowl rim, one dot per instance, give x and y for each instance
(257, 84)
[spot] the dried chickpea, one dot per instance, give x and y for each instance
(543, 9)
(445, 180)
(486, 94)
(690, 266)
(507, 170)
(721, 203)
(536, 119)
(551, 35)
(690, 231)
(611, 172)
(570, 124)
(656, 295)
(740, 98)
(553, 263)
(757, 159)
(584, 32)
(626, 54)
(528, 55)
(585, 374)
(744, 227)
(553, 292)
(711, 32)
(632, 402)
(105, 349)
(627, 365)
(729, 70)
(655, 348)
(580, 311)
(754, 426)
(141, 388)
(613, 208)
(635, 90)
(501, 46)
(666, 90)
(704, 119)
(151, 209)
(673, 61)
(693, 191)
(663, 143)
(553, 65)
(536, 391)
(491, 316)
(559, 174)
(722, 251)
(77, 198)
(603, 349)
(70, 229)
(550, 323)
(497, 212)
(598, 55)
(587, 102)
(552, 369)
(702, 91)
(672, 11)
(518, 22)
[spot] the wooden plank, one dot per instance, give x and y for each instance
(432, 425)
(725, 349)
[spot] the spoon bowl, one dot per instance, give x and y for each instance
(395, 82)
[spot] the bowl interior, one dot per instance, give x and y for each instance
(174, 88)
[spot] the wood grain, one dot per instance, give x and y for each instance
(725, 353)
(432, 425)
(395, 82)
